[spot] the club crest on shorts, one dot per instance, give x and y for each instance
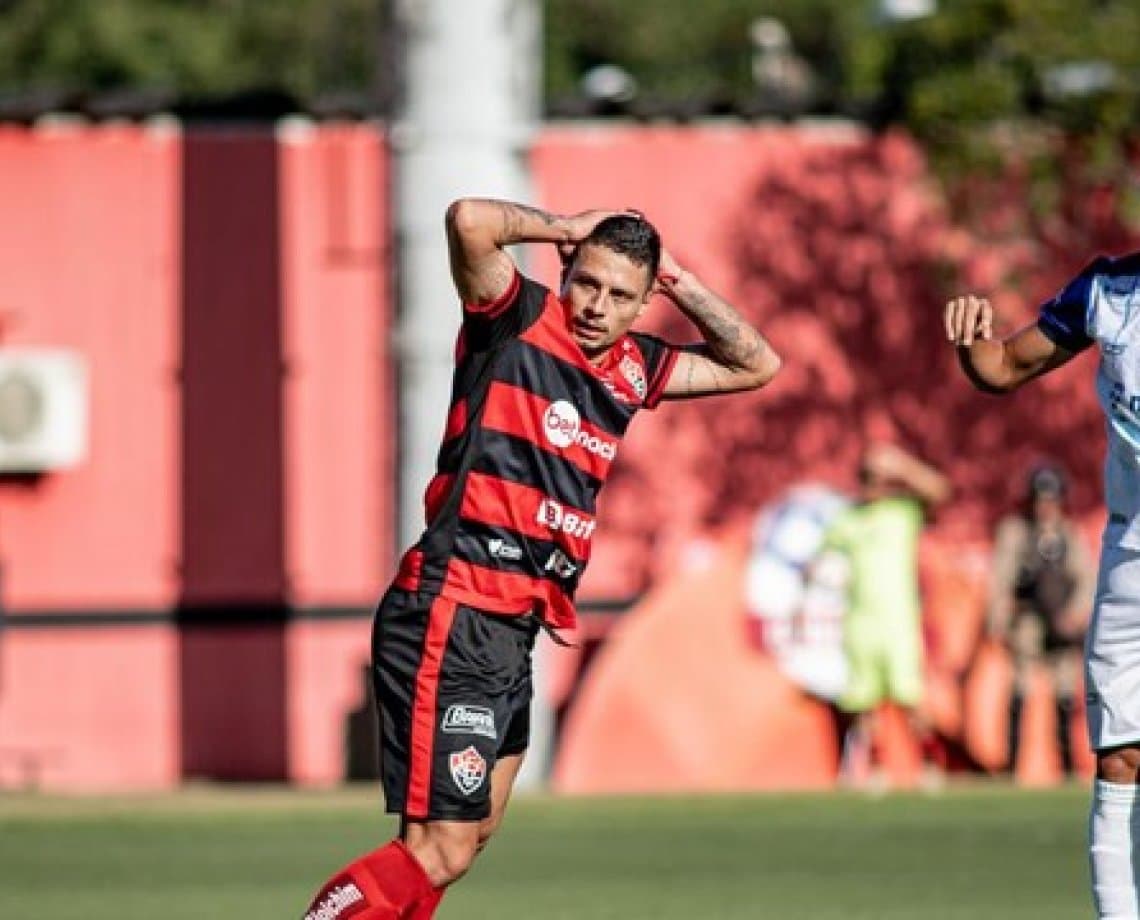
(468, 769)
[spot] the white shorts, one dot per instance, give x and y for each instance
(1112, 652)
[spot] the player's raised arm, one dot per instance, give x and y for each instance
(998, 365)
(479, 228)
(925, 482)
(733, 357)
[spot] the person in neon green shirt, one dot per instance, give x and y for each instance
(878, 536)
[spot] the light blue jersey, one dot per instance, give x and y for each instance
(1101, 306)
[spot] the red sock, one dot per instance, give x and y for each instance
(425, 907)
(384, 885)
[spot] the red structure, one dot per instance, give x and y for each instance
(192, 601)
(188, 602)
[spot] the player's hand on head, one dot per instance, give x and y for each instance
(579, 226)
(668, 271)
(968, 318)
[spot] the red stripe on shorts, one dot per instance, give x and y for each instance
(421, 748)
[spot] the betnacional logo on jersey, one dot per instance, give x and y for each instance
(631, 370)
(468, 769)
(562, 426)
(560, 519)
(341, 902)
(470, 720)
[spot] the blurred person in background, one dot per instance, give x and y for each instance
(882, 628)
(544, 388)
(1100, 306)
(1041, 592)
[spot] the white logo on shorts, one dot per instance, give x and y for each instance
(468, 769)
(470, 720)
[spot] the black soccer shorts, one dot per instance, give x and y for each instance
(453, 688)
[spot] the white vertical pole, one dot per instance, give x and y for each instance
(471, 77)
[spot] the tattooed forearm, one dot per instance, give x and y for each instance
(521, 223)
(728, 338)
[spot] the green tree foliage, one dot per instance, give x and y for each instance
(1042, 97)
(190, 46)
(1032, 103)
(680, 48)
(1051, 87)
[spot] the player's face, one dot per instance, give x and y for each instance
(603, 294)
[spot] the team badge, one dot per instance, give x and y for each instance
(631, 371)
(468, 769)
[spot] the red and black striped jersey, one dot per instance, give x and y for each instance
(531, 434)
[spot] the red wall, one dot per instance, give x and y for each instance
(89, 254)
(230, 530)
(837, 245)
(230, 290)
(339, 440)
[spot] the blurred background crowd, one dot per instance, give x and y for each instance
(221, 322)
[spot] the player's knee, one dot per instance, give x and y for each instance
(445, 855)
(1119, 765)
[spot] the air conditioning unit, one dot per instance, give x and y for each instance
(43, 409)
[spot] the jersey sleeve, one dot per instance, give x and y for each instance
(487, 325)
(660, 358)
(1064, 319)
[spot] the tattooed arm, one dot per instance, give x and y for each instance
(479, 228)
(733, 356)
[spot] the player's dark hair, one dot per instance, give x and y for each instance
(628, 234)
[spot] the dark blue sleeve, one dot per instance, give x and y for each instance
(1064, 319)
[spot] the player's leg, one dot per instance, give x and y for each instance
(906, 688)
(450, 855)
(1026, 642)
(1112, 677)
(445, 849)
(860, 698)
(1114, 834)
(502, 785)
(409, 635)
(1064, 669)
(497, 722)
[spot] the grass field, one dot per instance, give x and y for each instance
(979, 852)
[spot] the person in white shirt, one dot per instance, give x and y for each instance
(1101, 307)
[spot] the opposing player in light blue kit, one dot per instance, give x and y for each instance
(1100, 306)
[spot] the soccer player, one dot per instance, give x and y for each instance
(544, 388)
(882, 628)
(1042, 584)
(1101, 307)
